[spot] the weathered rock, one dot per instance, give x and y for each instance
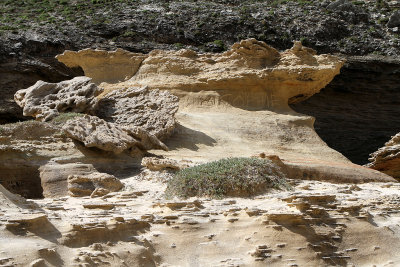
(271, 79)
(54, 177)
(153, 110)
(394, 20)
(218, 94)
(108, 66)
(112, 230)
(96, 132)
(14, 202)
(342, 5)
(27, 146)
(158, 164)
(95, 184)
(44, 101)
(24, 147)
(387, 158)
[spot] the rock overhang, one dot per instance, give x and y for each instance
(230, 104)
(249, 75)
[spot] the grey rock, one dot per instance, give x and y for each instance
(95, 132)
(394, 20)
(45, 101)
(153, 110)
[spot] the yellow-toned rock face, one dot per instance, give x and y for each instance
(112, 67)
(236, 103)
(250, 75)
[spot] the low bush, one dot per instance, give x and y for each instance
(241, 177)
(63, 117)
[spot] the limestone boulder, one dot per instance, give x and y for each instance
(94, 184)
(158, 164)
(153, 110)
(45, 101)
(54, 176)
(95, 132)
(394, 20)
(387, 159)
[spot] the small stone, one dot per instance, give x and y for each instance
(38, 263)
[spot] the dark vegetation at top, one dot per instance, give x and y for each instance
(355, 27)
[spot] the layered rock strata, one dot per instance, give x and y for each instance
(387, 158)
(95, 184)
(315, 224)
(37, 158)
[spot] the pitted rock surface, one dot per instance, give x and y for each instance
(153, 110)
(45, 101)
(96, 132)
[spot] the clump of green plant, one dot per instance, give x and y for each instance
(179, 45)
(63, 117)
(242, 177)
(220, 44)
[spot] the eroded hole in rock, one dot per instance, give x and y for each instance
(22, 180)
(358, 111)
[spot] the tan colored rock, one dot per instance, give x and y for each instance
(45, 101)
(24, 147)
(38, 263)
(54, 177)
(153, 110)
(14, 202)
(387, 159)
(113, 230)
(36, 159)
(250, 75)
(158, 164)
(95, 132)
(236, 104)
(94, 184)
(104, 66)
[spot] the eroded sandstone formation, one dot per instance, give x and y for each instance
(95, 132)
(357, 112)
(387, 158)
(104, 66)
(95, 184)
(45, 101)
(153, 110)
(315, 224)
(105, 205)
(249, 75)
(37, 158)
(239, 99)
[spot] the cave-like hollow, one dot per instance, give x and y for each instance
(359, 110)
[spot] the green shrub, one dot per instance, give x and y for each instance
(227, 177)
(63, 117)
(219, 43)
